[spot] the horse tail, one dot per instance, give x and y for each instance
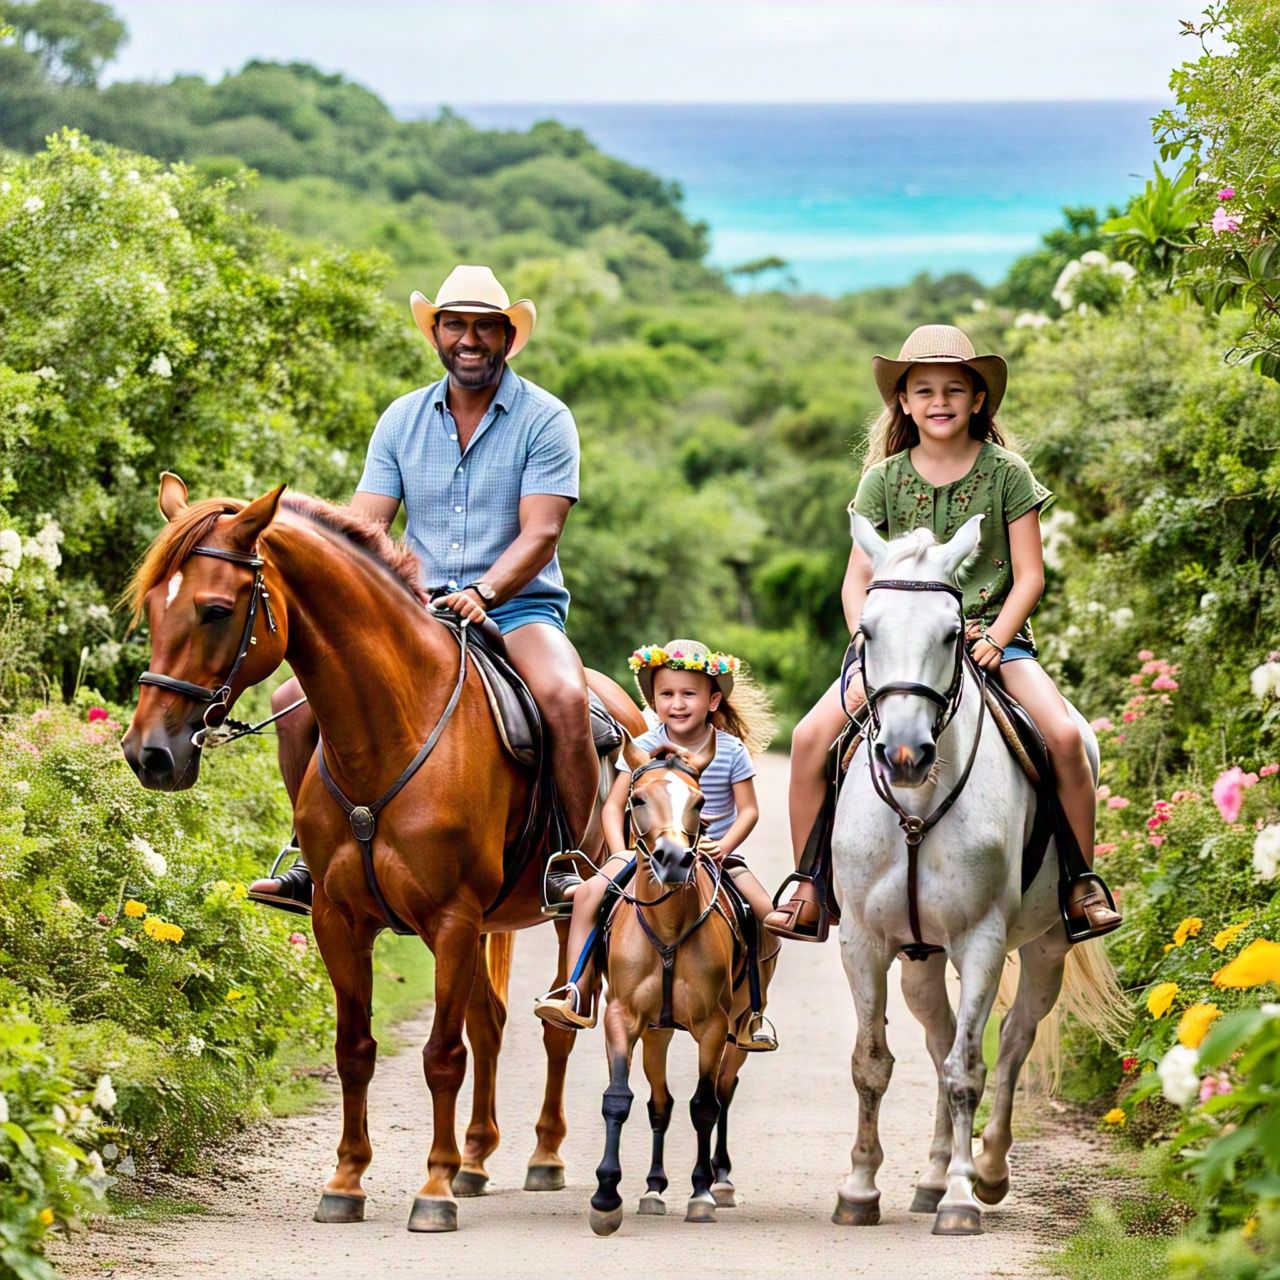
(1092, 995)
(498, 950)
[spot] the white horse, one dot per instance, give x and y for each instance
(924, 742)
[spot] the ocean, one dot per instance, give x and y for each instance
(859, 194)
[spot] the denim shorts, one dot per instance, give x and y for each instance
(521, 610)
(1016, 650)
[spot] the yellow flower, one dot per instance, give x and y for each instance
(222, 886)
(46, 1217)
(1259, 962)
(1161, 998)
(1187, 929)
(235, 995)
(1195, 1022)
(174, 933)
(1225, 937)
(1250, 1226)
(1168, 946)
(135, 908)
(162, 930)
(1115, 1116)
(239, 891)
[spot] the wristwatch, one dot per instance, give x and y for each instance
(483, 590)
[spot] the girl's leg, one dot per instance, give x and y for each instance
(1028, 681)
(759, 1032)
(587, 898)
(754, 892)
(803, 917)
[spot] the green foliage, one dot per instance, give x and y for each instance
(71, 40)
(1028, 284)
(1158, 224)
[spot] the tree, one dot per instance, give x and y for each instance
(72, 39)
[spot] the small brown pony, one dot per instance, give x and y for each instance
(231, 590)
(675, 949)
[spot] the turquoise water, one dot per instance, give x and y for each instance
(855, 195)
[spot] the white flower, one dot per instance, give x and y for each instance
(4, 1109)
(979, 304)
(154, 862)
(10, 548)
(22, 787)
(160, 366)
(1095, 258)
(1121, 617)
(131, 176)
(1271, 1009)
(1263, 680)
(195, 1046)
(1179, 1078)
(104, 1095)
(1062, 292)
(98, 613)
(5, 187)
(33, 204)
(94, 1162)
(1266, 853)
(1031, 320)
(46, 371)
(1124, 270)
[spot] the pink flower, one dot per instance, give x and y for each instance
(1274, 655)
(1268, 770)
(1156, 664)
(1228, 791)
(298, 940)
(1224, 221)
(1154, 822)
(97, 713)
(1104, 791)
(1100, 849)
(1155, 840)
(1212, 1085)
(40, 716)
(1180, 796)
(1227, 193)
(1117, 802)
(1145, 655)
(1120, 737)
(103, 918)
(1164, 682)
(1101, 725)
(1136, 678)
(1129, 717)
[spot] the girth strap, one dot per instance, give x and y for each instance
(363, 818)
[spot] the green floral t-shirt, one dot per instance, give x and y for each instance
(897, 499)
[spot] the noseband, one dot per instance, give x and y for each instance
(218, 697)
(662, 762)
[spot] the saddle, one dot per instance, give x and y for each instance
(515, 713)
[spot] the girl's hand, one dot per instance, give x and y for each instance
(711, 848)
(987, 654)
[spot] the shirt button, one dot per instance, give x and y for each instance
(454, 436)
(456, 545)
(458, 510)
(453, 583)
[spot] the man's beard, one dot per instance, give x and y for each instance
(477, 376)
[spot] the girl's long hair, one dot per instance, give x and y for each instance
(746, 713)
(894, 430)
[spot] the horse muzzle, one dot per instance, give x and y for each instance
(671, 861)
(905, 765)
(161, 761)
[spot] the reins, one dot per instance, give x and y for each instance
(914, 827)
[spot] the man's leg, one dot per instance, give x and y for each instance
(296, 738)
(550, 666)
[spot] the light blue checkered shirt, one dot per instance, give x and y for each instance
(463, 509)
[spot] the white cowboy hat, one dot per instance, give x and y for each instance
(475, 290)
(940, 344)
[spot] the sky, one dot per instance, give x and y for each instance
(424, 52)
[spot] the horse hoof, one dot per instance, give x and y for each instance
(544, 1177)
(958, 1220)
(652, 1204)
(334, 1207)
(604, 1222)
(433, 1213)
(991, 1192)
(927, 1200)
(467, 1183)
(856, 1213)
(723, 1194)
(702, 1208)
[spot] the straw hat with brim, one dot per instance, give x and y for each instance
(476, 291)
(940, 344)
(682, 655)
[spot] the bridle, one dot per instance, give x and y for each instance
(218, 697)
(672, 762)
(915, 828)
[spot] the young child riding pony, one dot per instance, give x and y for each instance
(715, 717)
(935, 458)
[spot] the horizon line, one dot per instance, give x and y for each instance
(789, 102)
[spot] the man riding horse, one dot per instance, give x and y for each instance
(486, 464)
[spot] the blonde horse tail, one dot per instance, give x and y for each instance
(1090, 994)
(498, 950)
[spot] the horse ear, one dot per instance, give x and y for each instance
(250, 523)
(964, 542)
(865, 535)
(173, 495)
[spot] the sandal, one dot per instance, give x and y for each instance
(804, 916)
(559, 1007)
(1090, 909)
(760, 1036)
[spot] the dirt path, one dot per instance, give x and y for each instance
(794, 1114)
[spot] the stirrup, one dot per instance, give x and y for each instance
(817, 932)
(1078, 927)
(761, 1037)
(562, 909)
(563, 1012)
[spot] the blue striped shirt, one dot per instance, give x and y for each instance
(731, 763)
(462, 510)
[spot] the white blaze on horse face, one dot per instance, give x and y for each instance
(175, 585)
(680, 793)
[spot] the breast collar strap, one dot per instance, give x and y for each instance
(219, 696)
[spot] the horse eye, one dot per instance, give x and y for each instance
(636, 801)
(214, 612)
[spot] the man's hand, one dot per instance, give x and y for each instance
(466, 604)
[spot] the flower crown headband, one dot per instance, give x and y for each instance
(710, 664)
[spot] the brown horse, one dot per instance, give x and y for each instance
(296, 580)
(675, 950)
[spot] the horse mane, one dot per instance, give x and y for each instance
(181, 535)
(908, 553)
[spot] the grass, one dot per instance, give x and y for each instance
(1103, 1249)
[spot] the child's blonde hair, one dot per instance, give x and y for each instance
(895, 430)
(747, 713)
